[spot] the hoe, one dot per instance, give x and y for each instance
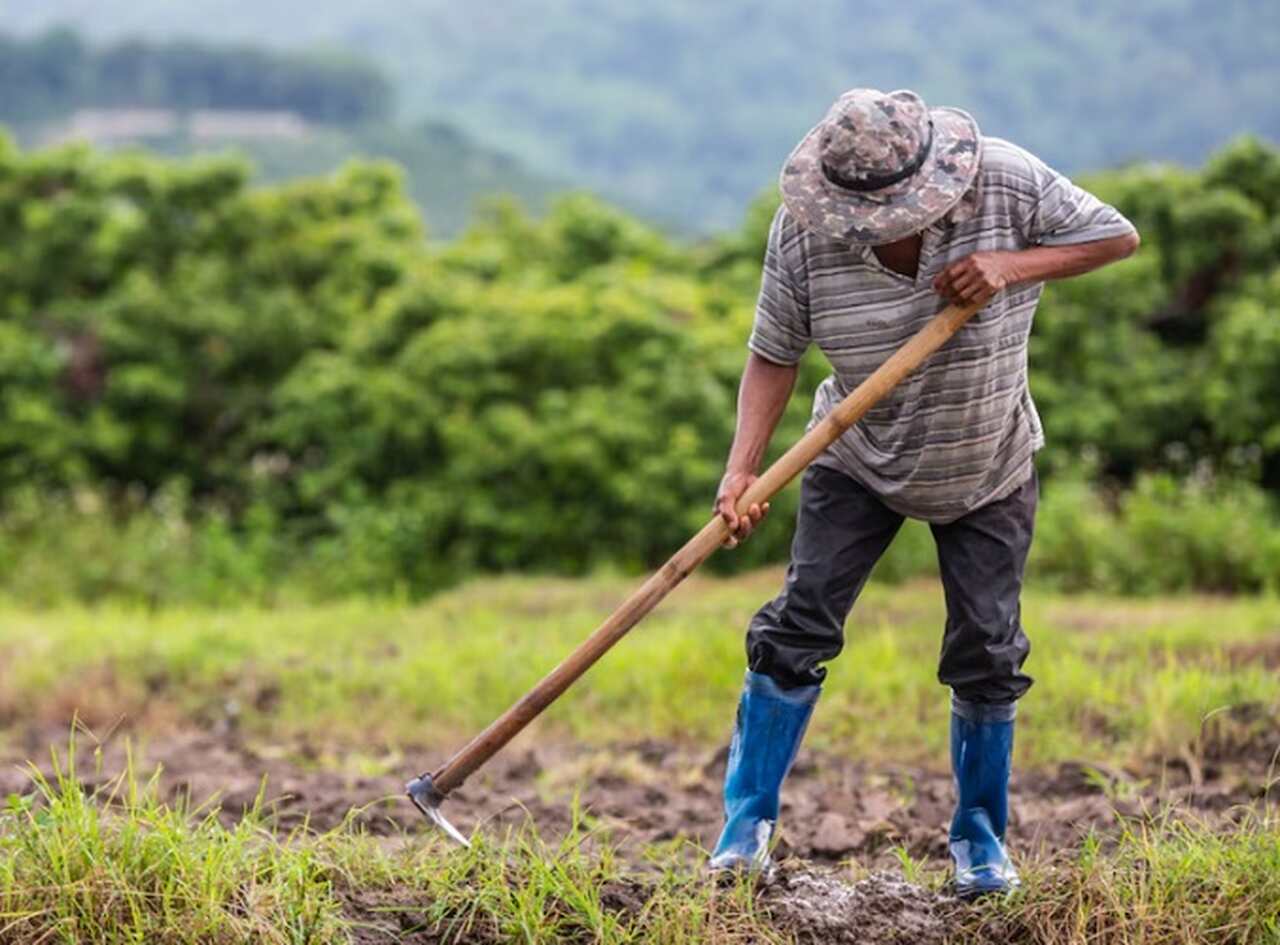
(428, 791)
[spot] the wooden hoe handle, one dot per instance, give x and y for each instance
(903, 361)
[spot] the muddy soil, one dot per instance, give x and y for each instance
(834, 809)
(812, 905)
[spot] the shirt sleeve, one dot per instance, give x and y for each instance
(1059, 212)
(780, 332)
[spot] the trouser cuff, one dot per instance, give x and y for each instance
(983, 711)
(764, 685)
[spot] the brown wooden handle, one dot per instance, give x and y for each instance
(700, 547)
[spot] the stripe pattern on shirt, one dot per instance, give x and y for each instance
(961, 430)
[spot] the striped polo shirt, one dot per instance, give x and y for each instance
(961, 430)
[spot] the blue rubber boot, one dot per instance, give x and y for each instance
(771, 721)
(981, 755)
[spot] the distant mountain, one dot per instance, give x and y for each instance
(447, 173)
(56, 71)
(292, 114)
(687, 109)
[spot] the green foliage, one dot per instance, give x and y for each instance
(160, 305)
(150, 551)
(1170, 359)
(56, 72)
(1163, 535)
(293, 372)
(1242, 397)
(1102, 379)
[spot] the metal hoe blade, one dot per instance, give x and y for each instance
(427, 799)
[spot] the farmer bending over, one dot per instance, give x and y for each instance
(887, 205)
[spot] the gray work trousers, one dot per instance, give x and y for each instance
(842, 530)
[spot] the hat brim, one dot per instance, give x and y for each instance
(896, 212)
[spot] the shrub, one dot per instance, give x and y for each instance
(297, 369)
(1198, 533)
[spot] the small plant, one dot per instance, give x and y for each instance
(913, 870)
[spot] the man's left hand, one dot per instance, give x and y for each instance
(974, 279)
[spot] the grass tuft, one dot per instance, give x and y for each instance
(1164, 880)
(115, 864)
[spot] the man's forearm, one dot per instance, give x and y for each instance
(1044, 263)
(762, 397)
(978, 277)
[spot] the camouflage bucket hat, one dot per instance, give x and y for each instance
(880, 167)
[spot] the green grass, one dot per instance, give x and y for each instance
(123, 867)
(1163, 881)
(148, 872)
(1117, 680)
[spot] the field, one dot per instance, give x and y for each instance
(235, 776)
(285, 476)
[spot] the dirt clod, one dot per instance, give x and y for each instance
(821, 906)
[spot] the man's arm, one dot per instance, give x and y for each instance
(978, 277)
(762, 397)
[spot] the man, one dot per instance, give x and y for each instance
(890, 208)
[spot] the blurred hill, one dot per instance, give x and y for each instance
(686, 110)
(292, 113)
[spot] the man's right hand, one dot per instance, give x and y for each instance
(740, 526)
